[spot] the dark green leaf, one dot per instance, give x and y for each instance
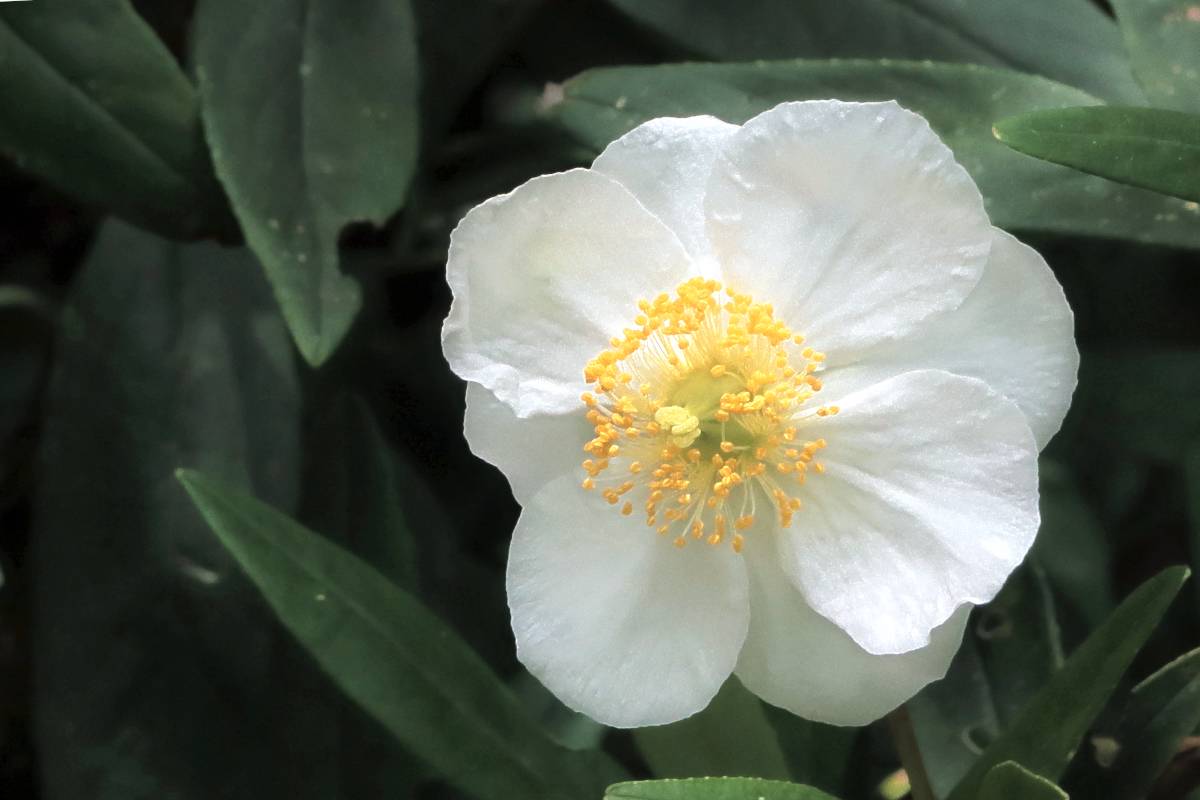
(1163, 40)
(730, 737)
(155, 659)
(96, 105)
(1011, 649)
(1159, 421)
(1010, 781)
(713, 789)
(393, 657)
(1162, 710)
(1070, 41)
(1150, 148)
(311, 110)
(817, 754)
(1072, 548)
(458, 43)
(26, 331)
(357, 479)
(1050, 727)
(960, 102)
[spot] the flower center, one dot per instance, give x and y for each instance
(698, 413)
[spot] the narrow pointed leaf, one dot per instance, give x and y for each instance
(1070, 41)
(96, 105)
(1163, 40)
(1149, 148)
(1010, 650)
(1051, 726)
(311, 111)
(394, 657)
(732, 736)
(961, 102)
(1162, 710)
(714, 789)
(1010, 780)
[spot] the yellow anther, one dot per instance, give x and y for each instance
(695, 379)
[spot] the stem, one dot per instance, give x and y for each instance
(905, 740)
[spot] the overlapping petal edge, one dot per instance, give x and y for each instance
(949, 346)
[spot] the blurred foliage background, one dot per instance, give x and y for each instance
(222, 242)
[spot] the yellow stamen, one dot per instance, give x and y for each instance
(701, 403)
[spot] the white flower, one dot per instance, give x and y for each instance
(816, 521)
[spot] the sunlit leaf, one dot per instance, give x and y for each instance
(395, 658)
(960, 102)
(1150, 148)
(311, 110)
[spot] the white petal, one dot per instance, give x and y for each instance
(542, 278)
(853, 219)
(796, 659)
(928, 501)
(666, 163)
(530, 451)
(615, 620)
(1015, 332)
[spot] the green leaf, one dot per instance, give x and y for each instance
(1150, 148)
(730, 737)
(960, 102)
(167, 352)
(393, 657)
(1072, 548)
(1162, 710)
(713, 789)
(97, 106)
(1011, 649)
(1048, 730)
(1010, 780)
(817, 754)
(1159, 421)
(26, 335)
(311, 110)
(458, 49)
(1163, 40)
(359, 499)
(1070, 41)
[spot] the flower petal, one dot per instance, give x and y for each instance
(1015, 332)
(928, 501)
(613, 619)
(796, 659)
(530, 451)
(853, 219)
(666, 164)
(542, 278)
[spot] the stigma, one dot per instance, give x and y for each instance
(702, 412)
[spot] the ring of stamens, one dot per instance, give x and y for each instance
(698, 410)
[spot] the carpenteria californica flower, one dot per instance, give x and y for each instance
(807, 381)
